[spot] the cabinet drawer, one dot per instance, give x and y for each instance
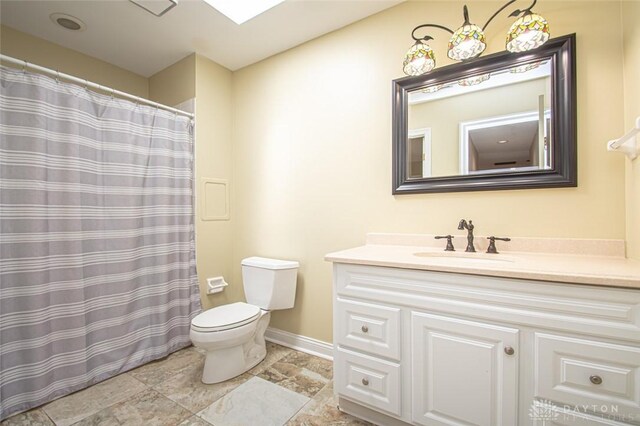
(368, 380)
(603, 377)
(369, 327)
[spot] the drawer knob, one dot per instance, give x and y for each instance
(509, 350)
(365, 382)
(364, 329)
(596, 380)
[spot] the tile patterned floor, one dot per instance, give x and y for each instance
(287, 388)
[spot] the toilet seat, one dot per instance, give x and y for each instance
(225, 317)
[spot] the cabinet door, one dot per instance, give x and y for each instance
(464, 372)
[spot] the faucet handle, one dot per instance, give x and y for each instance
(492, 243)
(449, 243)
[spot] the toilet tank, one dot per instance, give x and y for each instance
(269, 283)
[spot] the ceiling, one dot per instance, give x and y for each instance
(123, 34)
(520, 137)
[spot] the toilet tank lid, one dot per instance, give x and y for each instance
(264, 263)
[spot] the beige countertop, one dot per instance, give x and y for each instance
(596, 262)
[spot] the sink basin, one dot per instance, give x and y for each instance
(478, 258)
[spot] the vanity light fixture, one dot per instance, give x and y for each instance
(528, 32)
(419, 59)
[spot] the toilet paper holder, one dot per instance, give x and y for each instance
(216, 285)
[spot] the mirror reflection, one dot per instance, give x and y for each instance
(484, 124)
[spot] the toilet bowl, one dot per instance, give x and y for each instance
(232, 335)
(233, 339)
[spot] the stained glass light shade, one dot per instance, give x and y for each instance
(419, 59)
(528, 32)
(524, 68)
(467, 42)
(472, 81)
(433, 89)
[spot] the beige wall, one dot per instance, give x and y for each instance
(174, 84)
(41, 52)
(312, 148)
(214, 239)
(631, 44)
(304, 139)
(444, 116)
(210, 84)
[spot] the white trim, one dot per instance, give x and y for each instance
(502, 120)
(300, 343)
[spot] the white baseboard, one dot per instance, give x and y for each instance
(300, 343)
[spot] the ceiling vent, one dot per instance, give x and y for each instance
(67, 22)
(156, 7)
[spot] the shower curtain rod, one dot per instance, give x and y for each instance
(87, 84)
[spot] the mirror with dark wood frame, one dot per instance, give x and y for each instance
(504, 121)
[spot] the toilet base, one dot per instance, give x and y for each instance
(222, 365)
(226, 363)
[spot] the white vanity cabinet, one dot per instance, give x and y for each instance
(432, 348)
(463, 372)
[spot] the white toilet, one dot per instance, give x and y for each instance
(233, 334)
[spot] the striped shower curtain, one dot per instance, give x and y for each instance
(97, 255)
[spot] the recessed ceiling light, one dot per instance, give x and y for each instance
(68, 22)
(503, 142)
(240, 11)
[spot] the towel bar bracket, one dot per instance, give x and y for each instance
(627, 144)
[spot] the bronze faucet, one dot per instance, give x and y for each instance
(469, 227)
(449, 243)
(492, 243)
